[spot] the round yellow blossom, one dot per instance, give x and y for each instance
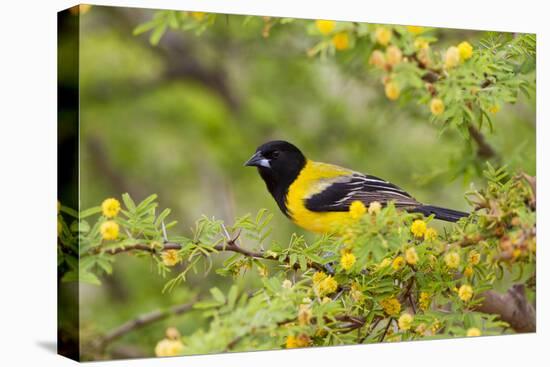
(473, 331)
(405, 321)
(198, 15)
(391, 306)
(378, 59)
(392, 91)
(357, 209)
(393, 55)
(465, 292)
(452, 260)
(414, 29)
(424, 301)
(418, 228)
(300, 341)
(168, 348)
(109, 230)
(172, 333)
(431, 234)
(468, 271)
(356, 292)
(341, 41)
(325, 26)
(304, 314)
(437, 107)
(110, 207)
(452, 57)
(327, 286)
(383, 35)
(318, 277)
(411, 256)
(287, 284)
(398, 263)
(170, 257)
(326, 300)
(420, 329)
(421, 43)
(465, 50)
(384, 263)
(494, 109)
(375, 207)
(473, 257)
(347, 260)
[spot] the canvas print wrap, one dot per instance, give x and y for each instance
(232, 183)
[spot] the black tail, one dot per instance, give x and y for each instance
(448, 215)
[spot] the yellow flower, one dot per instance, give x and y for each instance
(327, 286)
(437, 107)
(418, 228)
(378, 59)
(468, 271)
(340, 41)
(287, 284)
(172, 333)
(405, 321)
(357, 209)
(411, 256)
(465, 292)
(325, 26)
(431, 234)
(347, 260)
(356, 293)
(168, 348)
(384, 263)
(170, 257)
(414, 29)
(375, 207)
(198, 15)
(318, 277)
(473, 331)
(424, 301)
(383, 35)
(494, 109)
(391, 306)
(326, 300)
(452, 260)
(110, 207)
(452, 57)
(304, 314)
(300, 341)
(109, 230)
(465, 50)
(421, 43)
(392, 91)
(420, 329)
(393, 55)
(398, 263)
(474, 257)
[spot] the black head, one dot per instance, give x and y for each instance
(279, 163)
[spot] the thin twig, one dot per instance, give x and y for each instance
(386, 330)
(141, 321)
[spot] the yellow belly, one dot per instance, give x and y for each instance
(314, 178)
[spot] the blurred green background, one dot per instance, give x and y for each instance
(180, 118)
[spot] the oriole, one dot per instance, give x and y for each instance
(317, 196)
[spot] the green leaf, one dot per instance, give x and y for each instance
(89, 212)
(218, 295)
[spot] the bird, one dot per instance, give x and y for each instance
(317, 196)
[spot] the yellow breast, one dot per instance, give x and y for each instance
(314, 178)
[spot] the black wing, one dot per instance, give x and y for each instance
(338, 196)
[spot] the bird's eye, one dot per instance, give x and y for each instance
(274, 154)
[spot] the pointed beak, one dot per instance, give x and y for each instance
(258, 160)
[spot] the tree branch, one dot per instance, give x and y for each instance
(484, 149)
(512, 307)
(141, 321)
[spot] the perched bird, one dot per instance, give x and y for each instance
(317, 196)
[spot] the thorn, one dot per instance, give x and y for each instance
(164, 234)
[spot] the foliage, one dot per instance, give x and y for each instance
(404, 281)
